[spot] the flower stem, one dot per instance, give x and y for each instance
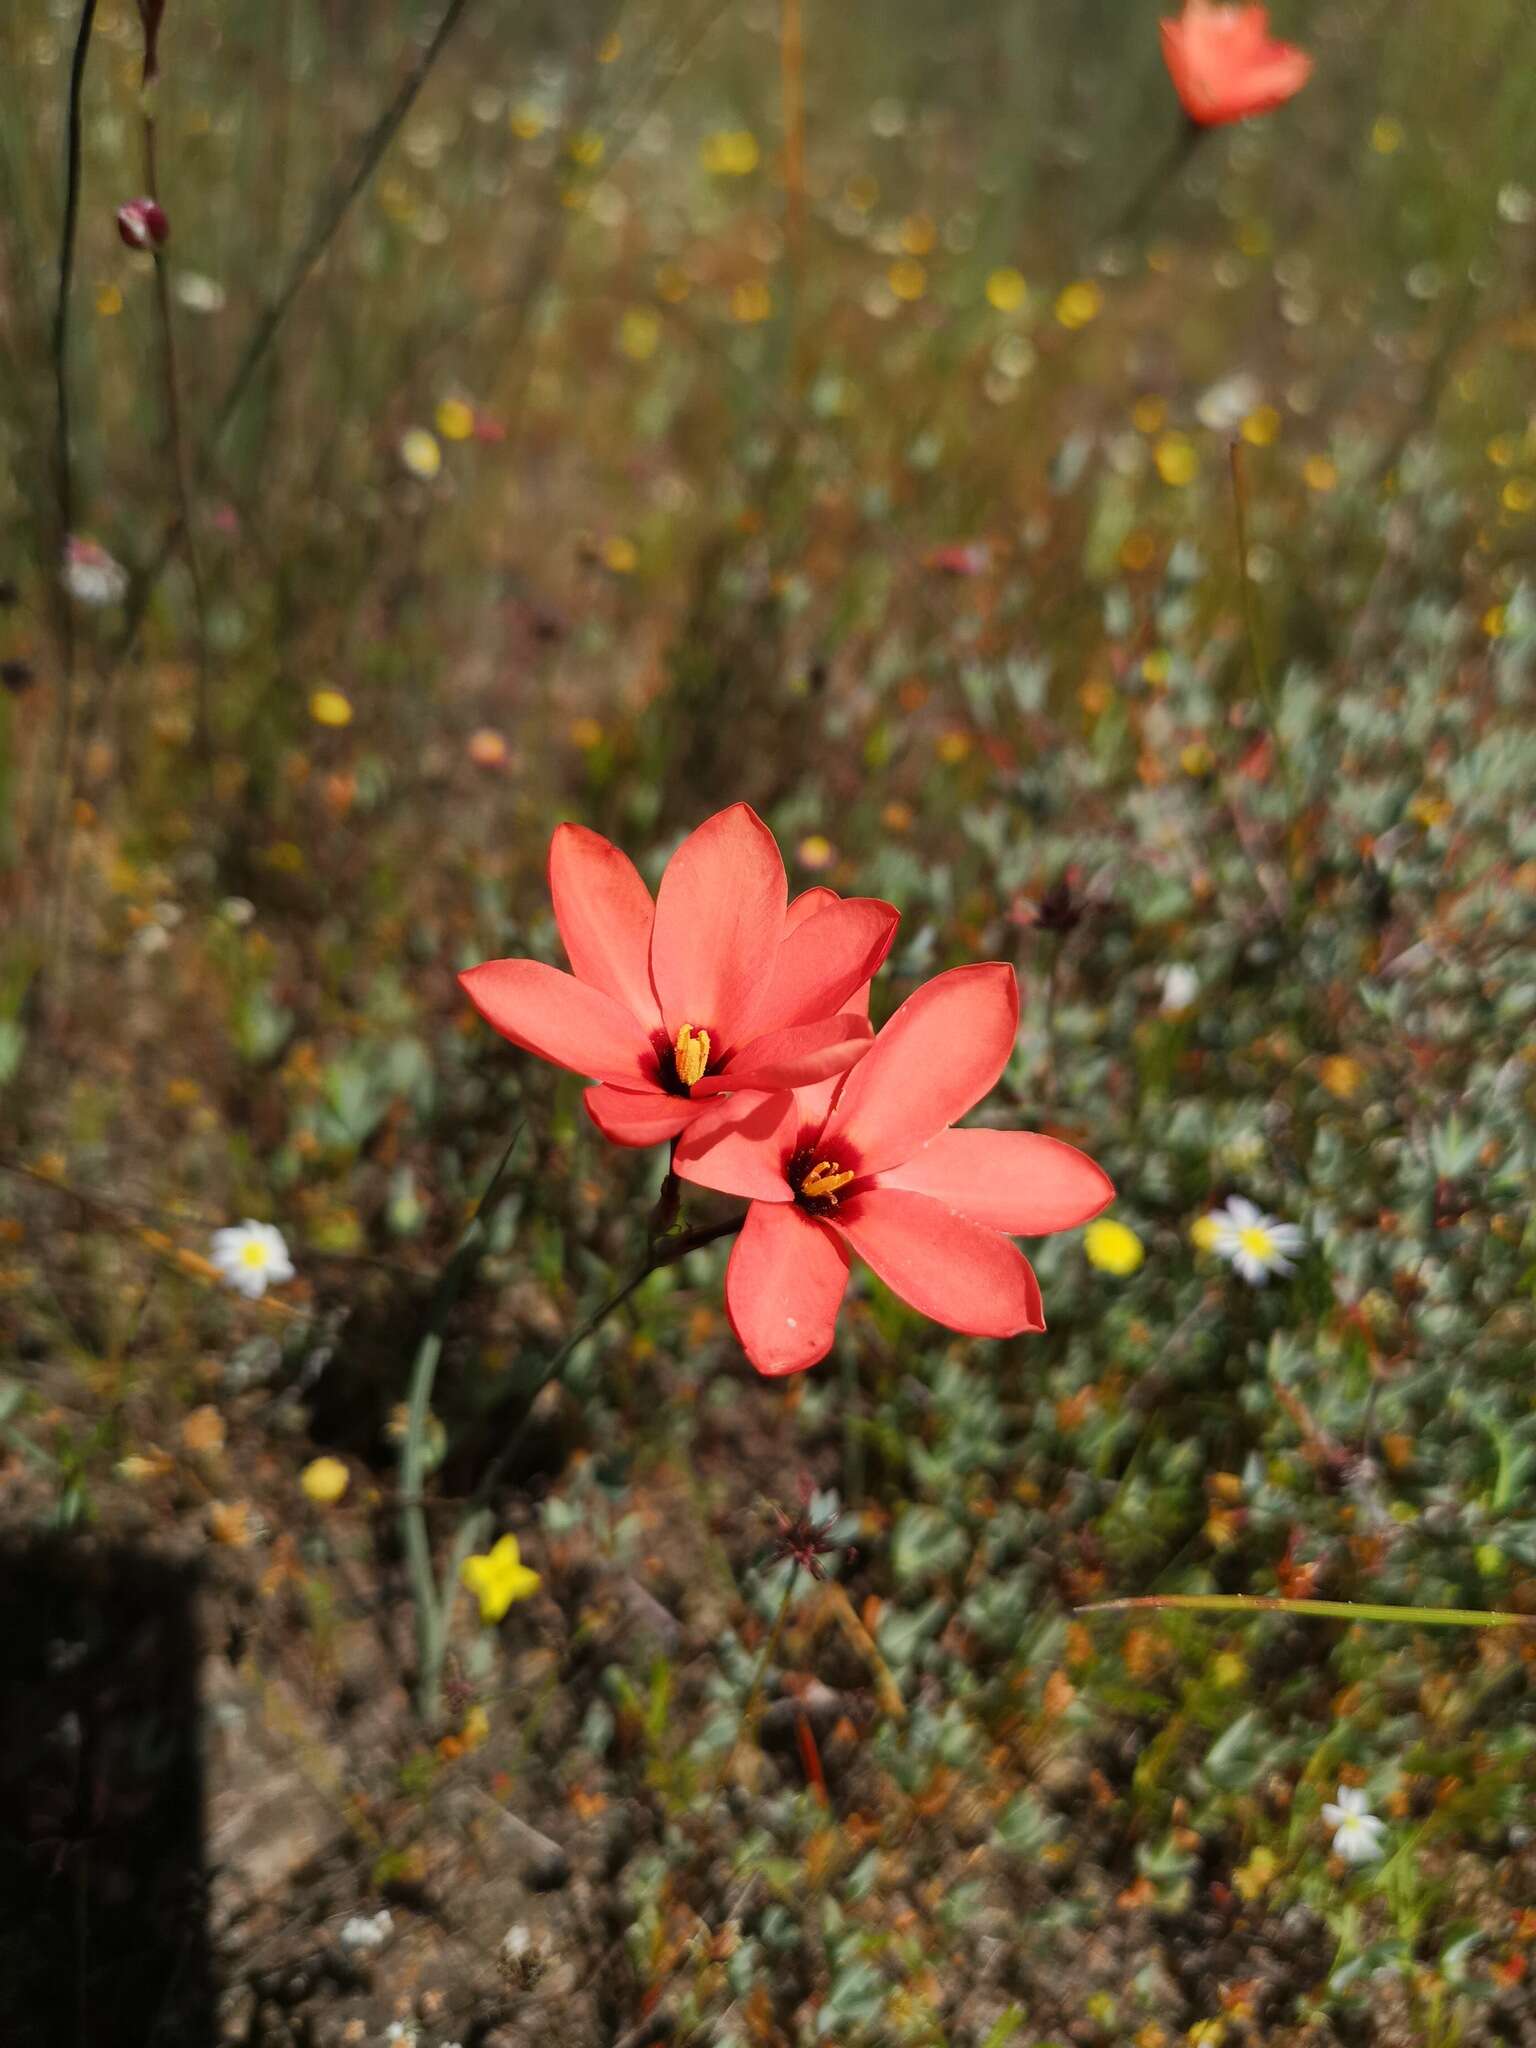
(432, 1609)
(57, 843)
(175, 436)
(433, 1598)
(1321, 1610)
(665, 1251)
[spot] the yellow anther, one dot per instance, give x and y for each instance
(824, 1179)
(691, 1053)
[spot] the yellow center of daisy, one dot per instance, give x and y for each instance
(823, 1181)
(691, 1055)
(253, 1254)
(1256, 1242)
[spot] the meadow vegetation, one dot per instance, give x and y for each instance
(1114, 548)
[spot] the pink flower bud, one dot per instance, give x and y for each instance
(142, 224)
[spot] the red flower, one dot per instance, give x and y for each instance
(1225, 65)
(720, 984)
(869, 1164)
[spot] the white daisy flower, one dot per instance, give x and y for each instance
(92, 576)
(252, 1257)
(1255, 1244)
(1357, 1833)
(1181, 985)
(366, 1932)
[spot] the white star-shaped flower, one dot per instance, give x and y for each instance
(1357, 1833)
(252, 1257)
(1254, 1244)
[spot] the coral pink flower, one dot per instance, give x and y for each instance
(869, 1164)
(720, 984)
(1225, 65)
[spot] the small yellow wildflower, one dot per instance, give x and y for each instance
(1006, 289)
(730, 153)
(620, 555)
(1341, 1075)
(751, 302)
(329, 707)
(1111, 1247)
(497, 1578)
(325, 1480)
(815, 851)
(1079, 304)
(1177, 459)
(1262, 427)
(1255, 1875)
(639, 332)
(1320, 474)
(1204, 1232)
(455, 420)
(1387, 135)
(907, 278)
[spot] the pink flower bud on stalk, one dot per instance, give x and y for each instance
(143, 225)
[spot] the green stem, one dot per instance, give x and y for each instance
(433, 1597)
(1321, 1610)
(431, 1610)
(663, 1252)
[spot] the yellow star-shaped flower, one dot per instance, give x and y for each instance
(498, 1577)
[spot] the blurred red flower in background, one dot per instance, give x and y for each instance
(1226, 66)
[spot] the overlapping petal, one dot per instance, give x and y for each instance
(1020, 1182)
(741, 1145)
(958, 1272)
(783, 1288)
(719, 920)
(605, 914)
(562, 1020)
(825, 959)
(794, 1058)
(941, 1052)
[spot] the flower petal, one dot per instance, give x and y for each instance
(1021, 1182)
(807, 904)
(783, 1288)
(605, 914)
(562, 1020)
(821, 964)
(628, 1116)
(719, 921)
(936, 1058)
(794, 1058)
(958, 1272)
(741, 1145)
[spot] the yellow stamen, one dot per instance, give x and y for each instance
(691, 1053)
(824, 1179)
